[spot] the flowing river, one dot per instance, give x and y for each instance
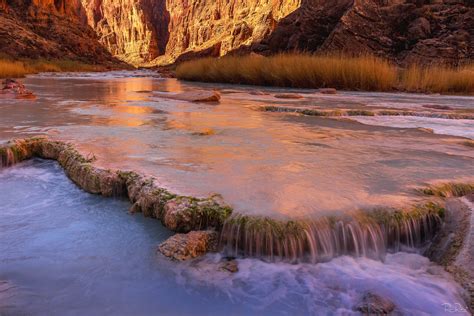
(66, 252)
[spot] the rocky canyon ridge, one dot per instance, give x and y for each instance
(151, 32)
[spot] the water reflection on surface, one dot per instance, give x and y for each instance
(266, 163)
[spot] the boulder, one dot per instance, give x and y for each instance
(373, 304)
(15, 90)
(183, 247)
(229, 265)
(193, 96)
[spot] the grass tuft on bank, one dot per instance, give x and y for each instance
(439, 79)
(364, 73)
(10, 68)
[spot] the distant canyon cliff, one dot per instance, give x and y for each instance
(150, 32)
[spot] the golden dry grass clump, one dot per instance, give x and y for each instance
(440, 79)
(365, 73)
(10, 68)
(294, 70)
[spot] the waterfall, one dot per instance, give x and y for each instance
(317, 240)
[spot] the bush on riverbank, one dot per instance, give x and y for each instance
(10, 68)
(366, 73)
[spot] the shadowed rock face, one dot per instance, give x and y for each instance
(49, 29)
(405, 31)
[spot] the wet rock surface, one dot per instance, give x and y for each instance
(288, 96)
(184, 214)
(183, 247)
(373, 304)
(229, 264)
(194, 96)
(331, 112)
(15, 89)
(453, 247)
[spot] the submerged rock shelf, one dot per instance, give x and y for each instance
(364, 233)
(314, 111)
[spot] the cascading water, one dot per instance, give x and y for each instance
(7, 158)
(326, 238)
(359, 234)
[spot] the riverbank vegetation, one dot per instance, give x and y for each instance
(364, 73)
(10, 68)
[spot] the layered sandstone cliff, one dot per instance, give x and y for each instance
(162, 31)
(139, 31)
(49, 29)
(150, 32)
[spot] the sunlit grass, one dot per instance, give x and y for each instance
(294, 70)
(10, 68)
(440, 79)
(365, 73)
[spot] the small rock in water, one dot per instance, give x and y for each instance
(143, 91)
(288, 96)
(437, 107)
(426, 130)
(194, 96)
(15, 89)
(327, 91)
(188, 246)
(229, 91)
(373, 304)
(230, 265)
(205, 132)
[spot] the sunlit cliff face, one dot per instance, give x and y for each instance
(140, 31)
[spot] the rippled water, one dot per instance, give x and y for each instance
(264, 163)
(463, 128)
(66, 252)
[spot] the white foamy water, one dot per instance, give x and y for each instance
(463, 128)
(416, 286)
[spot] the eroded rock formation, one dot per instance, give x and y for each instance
(163, 31)
(151, 32)
(16, 90)
(188, 246)
(49, 29)
(140, 31)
